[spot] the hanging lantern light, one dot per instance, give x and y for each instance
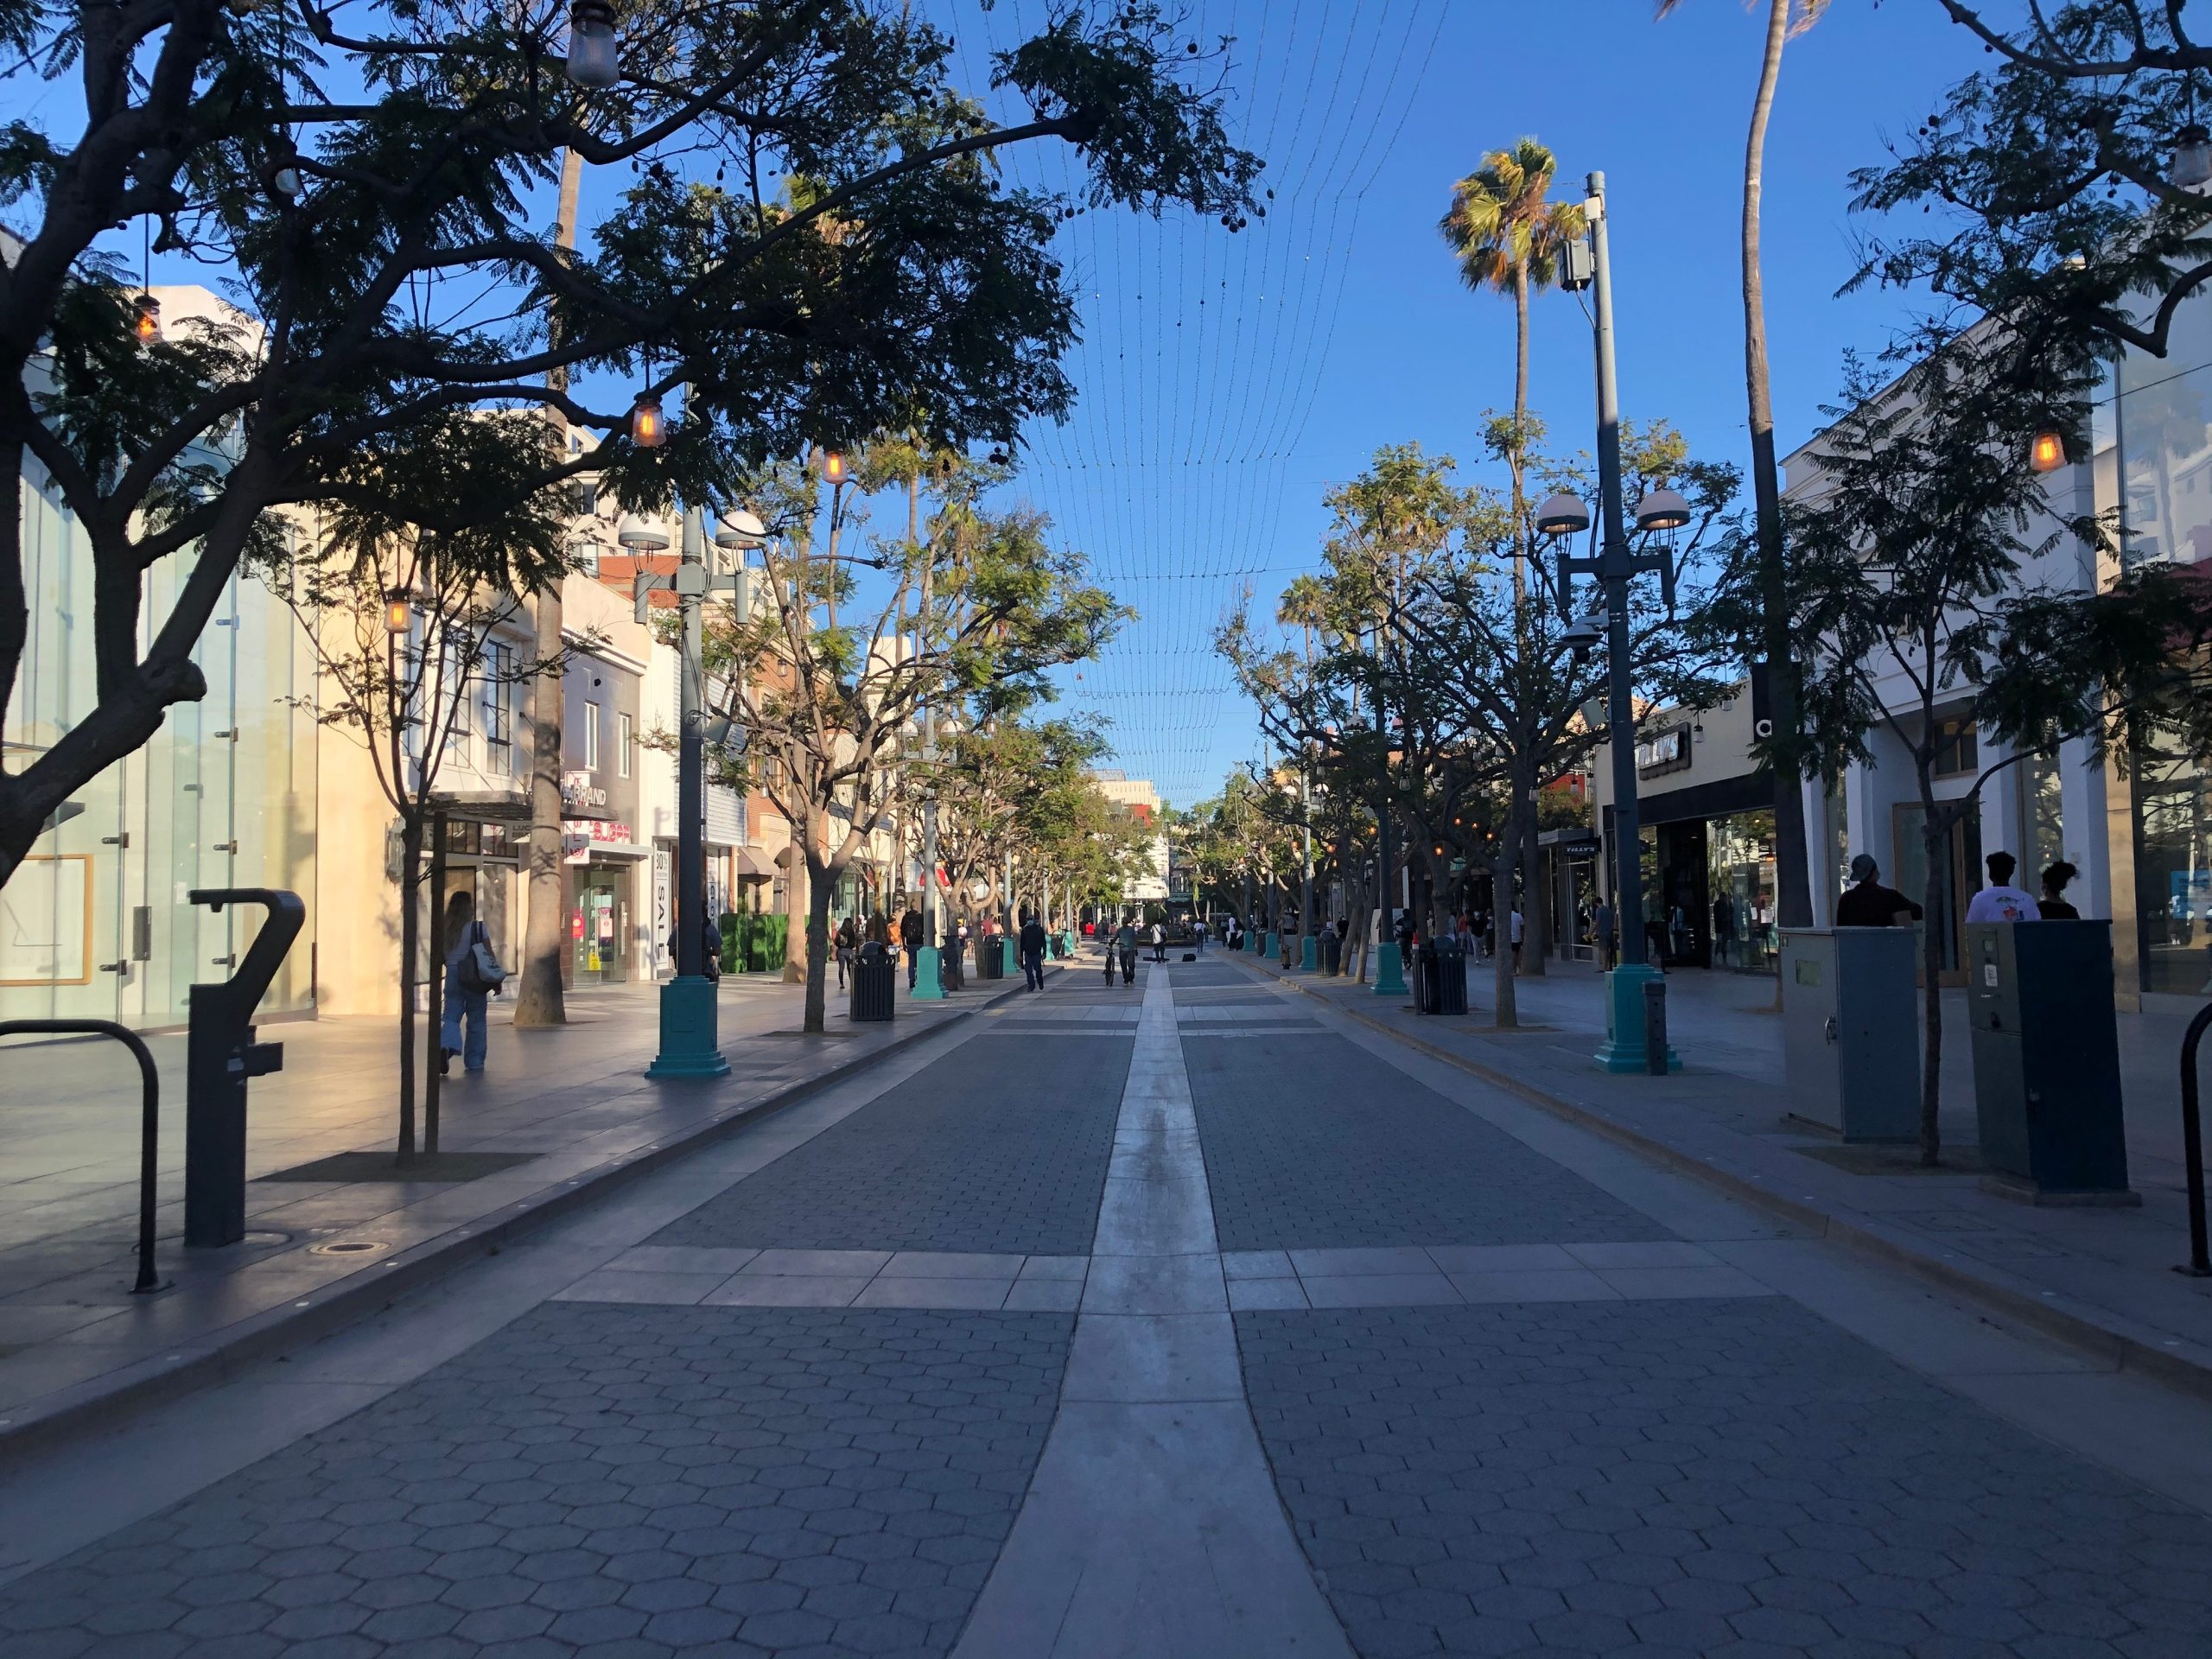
(595, 61)
(648, 426)
(2191, 166)
(398, 615)
(146, 321)
(833, 466)
(2047, 451)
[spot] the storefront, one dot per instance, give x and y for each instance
(1568, 859)
(1704, 811)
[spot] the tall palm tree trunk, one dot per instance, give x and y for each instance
(1516, 460)
(537, 985)
(1792, 879)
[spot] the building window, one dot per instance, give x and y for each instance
(591, 736)
(1957, 754)
(496, 709)
(622, 745)
(2043, 819)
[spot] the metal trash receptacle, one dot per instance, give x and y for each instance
(1333, 953)
(1850, 1030)
(2046, 1061)
(990, 958)
(1450, 977)
(874, 976)
(1424, 978)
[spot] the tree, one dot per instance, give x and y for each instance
(2055, 175)
(385, 237)
(1784, 750)
(406, 692)
(1508, 234)
(1911, 565)
(827, 708)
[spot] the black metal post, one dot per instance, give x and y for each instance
(150, 1090)
(2192, 1146)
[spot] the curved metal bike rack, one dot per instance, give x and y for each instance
(149, 1120)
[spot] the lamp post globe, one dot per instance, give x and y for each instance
(594, 59)
(640, 535)
(1561, 515)
(1662, 509)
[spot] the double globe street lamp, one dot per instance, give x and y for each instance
(1636, 1019)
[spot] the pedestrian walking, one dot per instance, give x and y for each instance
(1601, 933)
(710, 947)
(848, 938)
(1032, 946)
(1515, 925)
(473, 973)
(1125, 946)
(1159, 943)
(2053, 905)
(1198, 934)
(910, 939)
(879, 927)
(1868, 903)
(2000, 901)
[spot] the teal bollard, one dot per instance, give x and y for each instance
(1389, 971)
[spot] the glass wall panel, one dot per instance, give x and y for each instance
(2173, 872)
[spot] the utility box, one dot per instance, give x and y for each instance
(2046, 1061)
(1851, 1035)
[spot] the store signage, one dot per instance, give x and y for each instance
(581, 795)
(579, 836)
(1668, 750)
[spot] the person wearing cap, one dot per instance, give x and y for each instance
(1868, 903)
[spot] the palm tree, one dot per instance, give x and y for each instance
(1304, 604)
(1508, 233)
(1792, 879)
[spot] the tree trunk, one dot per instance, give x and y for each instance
(411, 937)
(820, 885)
(799, 907)
(1535, 913)
(1793, 882)
(1931, 957)
(1515, 459)
(537, 980)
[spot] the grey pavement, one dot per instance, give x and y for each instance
(2099, 1274)
(1551, 1398)
(567, 1106)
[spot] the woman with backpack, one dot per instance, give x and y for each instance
(473, 973)
(847, 941)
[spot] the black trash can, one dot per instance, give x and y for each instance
(949, 968)
(990, 957)
(1424, 978)
(1451, 959)
(873, 977)
(1333, 953)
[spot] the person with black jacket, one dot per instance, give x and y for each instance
(910, 938)
(1031, 947)
(1869, 903)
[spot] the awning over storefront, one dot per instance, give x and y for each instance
(753, 864)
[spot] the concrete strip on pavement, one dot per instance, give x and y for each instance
(1152, 1526)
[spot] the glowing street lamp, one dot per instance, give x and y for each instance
(2047, 451)
(146, 321)
(648, 426)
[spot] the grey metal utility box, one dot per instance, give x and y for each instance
(1851, 1036)
(2046, 1061)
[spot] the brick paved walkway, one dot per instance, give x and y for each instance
(1162, 1321)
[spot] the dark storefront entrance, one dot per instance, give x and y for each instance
(1708, 875)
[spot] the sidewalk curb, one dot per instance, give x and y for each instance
(85, 1410)
(2186, 1366)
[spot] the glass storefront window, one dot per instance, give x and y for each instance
(2043, 819)
(1741, 881)
(2173, 872)
(2163, 419)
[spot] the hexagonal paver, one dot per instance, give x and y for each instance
(1728, 1478)
(633, 1558)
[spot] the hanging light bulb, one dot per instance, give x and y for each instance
(833, 466)
(594, 57)
(398, 615)
(146, 322)
(2047, 451)
(648, 426)
(2191, 166)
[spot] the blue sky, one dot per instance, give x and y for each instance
(1227, 381)
(1186, 477)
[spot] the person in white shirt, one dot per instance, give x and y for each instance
(2000, 901)
(1516, 925)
